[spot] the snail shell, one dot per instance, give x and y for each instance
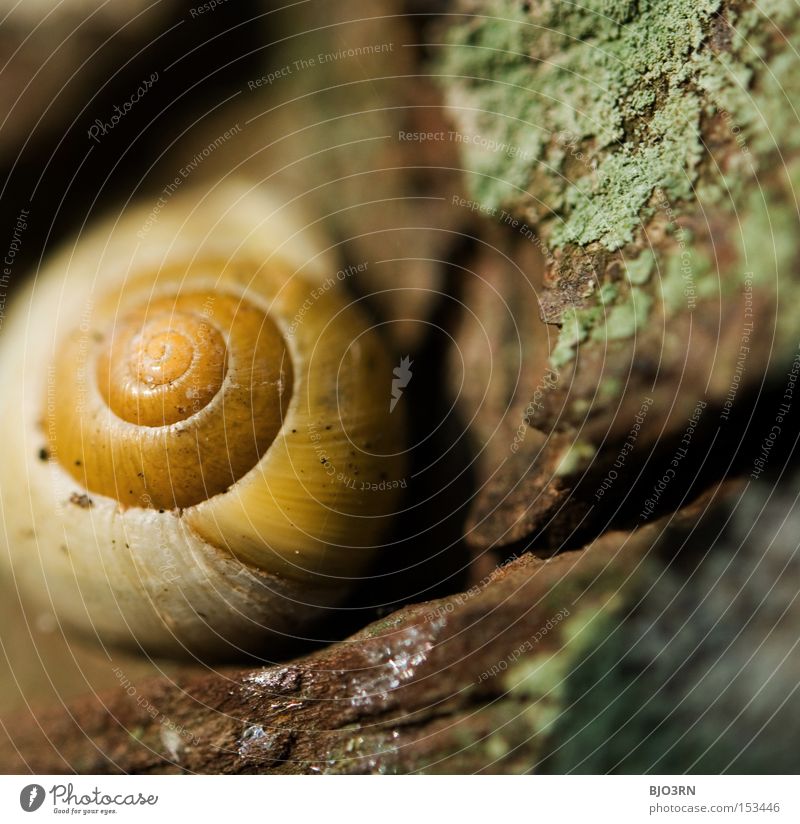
(200, 450)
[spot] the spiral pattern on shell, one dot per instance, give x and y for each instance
(206, 400)
(181, 397)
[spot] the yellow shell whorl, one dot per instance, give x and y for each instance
(251, 401)
(235, 520)
(173, 402)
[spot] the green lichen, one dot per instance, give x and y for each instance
(609, 389)
(638, 270)
(580, 407)
(604, 103)
(614, 317)
(590, 623)
(762, 247)
(576, 457)
(629, 123)
(540, 681)
(626, 318)
(610, 206)
(608, 293)
(575, 327)
(755, 101)
(497, 747)
(565, 83)
(767, 243)
(676, 684)
(673, 284)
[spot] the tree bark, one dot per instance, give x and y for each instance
(660, 158)
(471, 683)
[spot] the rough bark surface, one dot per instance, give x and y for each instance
(641, 148)
(469, 683)
(480, 681)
